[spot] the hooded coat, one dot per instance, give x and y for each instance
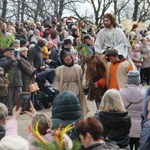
(132, 96)
(66, 110)
(116, 126)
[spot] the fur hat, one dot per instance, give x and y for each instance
(23, 49)
(133, 77)
(13, 142)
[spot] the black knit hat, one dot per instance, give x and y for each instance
(23, 42)
(67, 41)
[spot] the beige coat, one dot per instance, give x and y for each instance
(69, 79)
(121, 74)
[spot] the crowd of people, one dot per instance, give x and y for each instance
(122, 119)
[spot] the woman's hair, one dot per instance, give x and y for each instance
(112, 102)
(54, 45)
(3, 112)
(54, 34)
(43, 125)
(112, 18)
(92, 126)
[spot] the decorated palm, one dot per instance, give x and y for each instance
(57, 143)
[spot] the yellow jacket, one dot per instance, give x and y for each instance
(45, 52)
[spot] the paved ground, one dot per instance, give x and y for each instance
(24, 120)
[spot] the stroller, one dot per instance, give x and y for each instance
(46, 94)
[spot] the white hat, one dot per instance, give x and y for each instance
(14, 142)
(23, 49)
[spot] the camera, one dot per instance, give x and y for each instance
(23, 100)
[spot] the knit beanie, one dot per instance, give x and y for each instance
(66, 106)
(13, 142)
(1, 69)
(36, 31)
(16, 41)
(133, 77)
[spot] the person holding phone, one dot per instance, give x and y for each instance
(16, 46)
(14, 76)
(12, 140)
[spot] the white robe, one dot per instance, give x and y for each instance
(120, 42)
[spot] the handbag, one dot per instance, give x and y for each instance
(33, 87)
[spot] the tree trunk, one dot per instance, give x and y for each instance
(23, 8)
(136, 4)
(4, 9)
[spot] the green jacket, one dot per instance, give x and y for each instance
(66, 110)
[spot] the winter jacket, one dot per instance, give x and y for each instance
(35, 56)
(103, 146)
(132, 96)
(144, 142)
(54, 56)
(116, 126)
(27, 72)
(3, 90)
(12, 65)
(2, 131)
(66, 110)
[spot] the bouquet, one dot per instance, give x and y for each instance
(61, 140)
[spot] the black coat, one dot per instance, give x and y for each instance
(35, 56)
(116, 126)
(54, 56)
(9, 64)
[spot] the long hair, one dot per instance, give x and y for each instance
(112, 18)
(112, 102)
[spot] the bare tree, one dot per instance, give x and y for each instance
(144, 11)
(118, 7)
(3, 7)
(98, 7)
(137, 10)
(136, 7)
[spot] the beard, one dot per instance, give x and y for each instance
(107, 25)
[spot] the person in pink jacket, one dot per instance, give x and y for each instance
(12, 141)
